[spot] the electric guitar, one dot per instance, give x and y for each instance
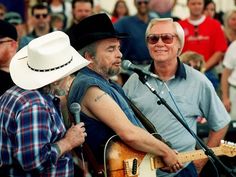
(123, 161)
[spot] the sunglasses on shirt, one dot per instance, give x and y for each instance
(167, 38)
(38, 16)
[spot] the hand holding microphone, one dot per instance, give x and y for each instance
(76, 134)
(75, 109)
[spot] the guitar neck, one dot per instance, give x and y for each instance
(188, 156)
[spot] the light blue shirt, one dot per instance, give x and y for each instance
(194, 96)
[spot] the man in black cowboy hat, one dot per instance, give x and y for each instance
(103, 106)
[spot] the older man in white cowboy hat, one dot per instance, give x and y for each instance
(34, 141)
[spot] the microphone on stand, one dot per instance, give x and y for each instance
(75, 109)
(127, 65)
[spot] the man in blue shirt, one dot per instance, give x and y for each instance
(187, 91)
(134, 47)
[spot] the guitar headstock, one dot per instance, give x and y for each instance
(228, 148)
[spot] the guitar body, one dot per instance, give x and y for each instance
(124, 161)
(120, 161)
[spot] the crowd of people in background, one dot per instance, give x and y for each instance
(209, 47)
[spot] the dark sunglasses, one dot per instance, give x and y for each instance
(167, 38)
(37, 16)
(142, 2)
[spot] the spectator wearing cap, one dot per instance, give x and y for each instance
(8, 48)
(15, 19)
(40, 23)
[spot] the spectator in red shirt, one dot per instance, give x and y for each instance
(205, 36)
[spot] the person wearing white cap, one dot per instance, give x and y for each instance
(34, 140)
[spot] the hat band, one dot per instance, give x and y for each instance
(51, 69)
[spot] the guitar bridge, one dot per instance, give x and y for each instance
(131, 167)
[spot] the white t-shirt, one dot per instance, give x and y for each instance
(230, 62)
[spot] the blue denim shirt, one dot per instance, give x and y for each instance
(98, 132)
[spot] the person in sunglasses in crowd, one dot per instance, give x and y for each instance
(40, 23)
(188, 92)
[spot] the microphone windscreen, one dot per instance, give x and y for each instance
(75, 108)
(126, 64)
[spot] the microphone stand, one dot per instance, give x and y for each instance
(207, 151)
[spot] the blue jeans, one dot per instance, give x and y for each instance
(214, 78)
(189, 171)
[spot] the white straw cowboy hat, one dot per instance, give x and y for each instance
(45, 60)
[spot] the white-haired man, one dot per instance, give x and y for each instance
(34, 140)
(186, 90)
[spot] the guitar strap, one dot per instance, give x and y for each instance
(142, 118)
(146, 123)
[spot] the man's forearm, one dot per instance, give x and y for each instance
(215, 137)
(214, 60)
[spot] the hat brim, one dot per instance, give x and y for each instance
(28, 79)
(90, 38)
(15, 21)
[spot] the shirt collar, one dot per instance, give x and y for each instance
(180, 72)
(87, 71)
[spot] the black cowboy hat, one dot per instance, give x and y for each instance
(91, 29)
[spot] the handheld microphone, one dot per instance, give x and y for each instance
(75, 109)
(127, 65)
